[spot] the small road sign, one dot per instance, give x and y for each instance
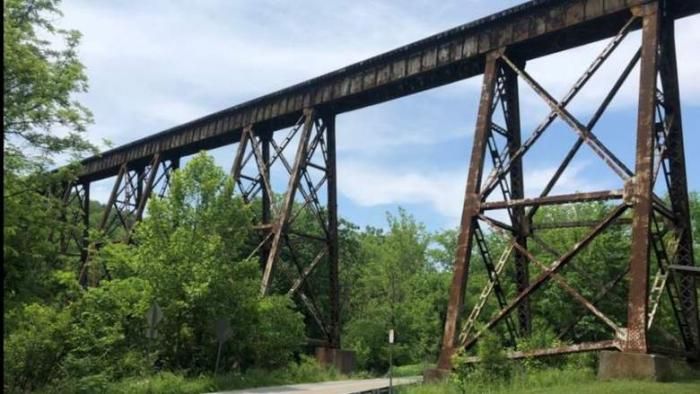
(154, 315)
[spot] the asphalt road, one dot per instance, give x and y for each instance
(335, 387)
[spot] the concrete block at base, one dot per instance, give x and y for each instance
(342, 360)
(431, 375)
(621, 365)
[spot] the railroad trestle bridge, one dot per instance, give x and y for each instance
(661, 260)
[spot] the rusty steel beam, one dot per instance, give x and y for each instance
(642, 189)
(305, 273)
(598, 147)
(685, 269)
(85, 242)
(557, 265)
(530, 30)
(601, 294)
(469, 211)
(575, 224)
(500, 172)
(590, 125)
(282, 222)
(510, 101)
(238, 161)
(333, 252)
(567, 349)
(574, 293)
(561, 282)
(602, 195)
(677, 183)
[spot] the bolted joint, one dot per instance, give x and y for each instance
(472, 204)
(629, 192)
(644, 9)
(309, 112)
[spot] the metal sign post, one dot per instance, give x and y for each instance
(153, 316)
(223, 333)
(391, 361)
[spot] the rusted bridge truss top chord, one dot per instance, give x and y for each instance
(499, 47)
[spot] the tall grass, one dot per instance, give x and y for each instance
(554, 380)
(307, 370)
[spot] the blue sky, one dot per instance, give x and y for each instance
(159, 63)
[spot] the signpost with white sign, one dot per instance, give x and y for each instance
(223, 333)
(391, 367)
(153, 316)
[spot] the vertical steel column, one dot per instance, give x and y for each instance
(146, 188)
(140, 180)
(469, 211)
(113, 196)
(85, 244)
(512, 118)
(678, 187)
(637, 340)
(237, 165)
(332, 186)
(266, 198)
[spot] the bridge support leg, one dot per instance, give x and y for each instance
(125, 207)
(659, 156)
(286, 246)
(280, 226)
(332, 188)
(85, 241)
(510, 97)
(678, 187)
(266, 198)
(643, 188)
(469, 211)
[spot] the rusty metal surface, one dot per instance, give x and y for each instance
(568, 349)
(642, 186)
(470, 209)
(530, 30)
(677, 183)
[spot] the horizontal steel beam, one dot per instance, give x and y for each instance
(685, 269)
(553, 200)
(575, 224)
(567, 349)
(530, 30)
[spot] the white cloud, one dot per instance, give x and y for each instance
(443, 191)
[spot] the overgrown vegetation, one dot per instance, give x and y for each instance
(563, 379)
(190, 256)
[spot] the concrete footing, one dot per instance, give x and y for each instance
(342, 360)
(621, 365)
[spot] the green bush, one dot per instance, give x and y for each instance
(34, 349)
(279, 332)
(107, 331)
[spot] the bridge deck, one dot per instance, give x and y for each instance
(530, 30)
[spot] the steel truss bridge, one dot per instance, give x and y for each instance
(498, 46)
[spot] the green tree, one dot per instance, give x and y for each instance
(41, 74)
(41, 121)
(192, 250)
(397, 287)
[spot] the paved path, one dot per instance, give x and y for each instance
(336, 387)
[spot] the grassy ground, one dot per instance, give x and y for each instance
(559, 381)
